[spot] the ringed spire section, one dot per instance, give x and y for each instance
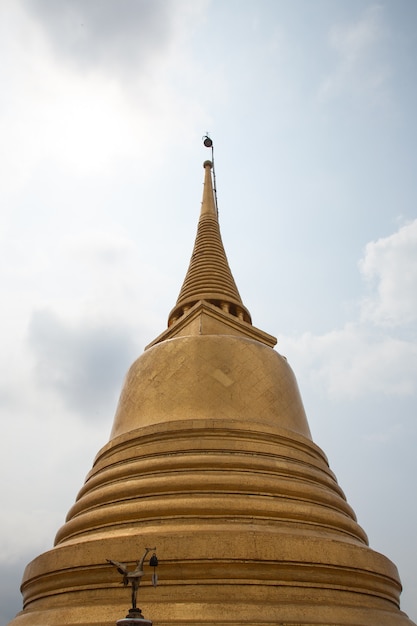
(209, 276)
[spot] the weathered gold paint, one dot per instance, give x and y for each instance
(211, 460)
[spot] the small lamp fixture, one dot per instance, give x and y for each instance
(207, 141)
(153, 562)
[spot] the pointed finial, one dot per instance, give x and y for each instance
(209, 277)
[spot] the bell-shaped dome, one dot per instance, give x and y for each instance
(211, 377)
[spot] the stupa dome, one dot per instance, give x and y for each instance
(211, 377)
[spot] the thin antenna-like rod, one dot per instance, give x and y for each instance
(214, 181)
(208, 142)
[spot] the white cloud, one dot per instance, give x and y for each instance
(356, 71)
(45, 453)
(52, 114)
(352, 41)
(353, 362)
(83, 365)
(390, 267)
(100, 247)
(129, 37)
(361, 358)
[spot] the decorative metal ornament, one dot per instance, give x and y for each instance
(134, 578)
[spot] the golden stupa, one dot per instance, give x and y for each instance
(211, 460)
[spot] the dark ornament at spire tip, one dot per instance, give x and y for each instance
(207, 141)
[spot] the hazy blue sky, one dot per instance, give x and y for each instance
(312, 108)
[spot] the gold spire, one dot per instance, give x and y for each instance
(209, 276)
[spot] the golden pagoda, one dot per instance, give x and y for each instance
(211, 461)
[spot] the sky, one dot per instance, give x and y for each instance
(311, 107)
